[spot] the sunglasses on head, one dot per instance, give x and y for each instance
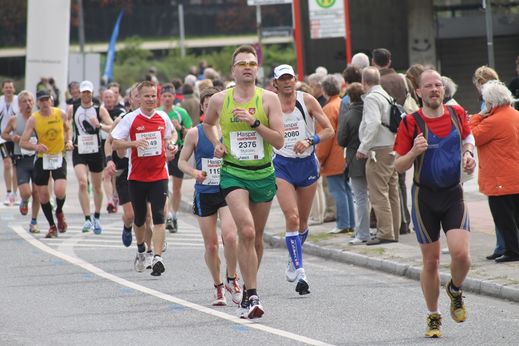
(244, 63)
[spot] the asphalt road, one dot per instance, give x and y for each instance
(81, 289)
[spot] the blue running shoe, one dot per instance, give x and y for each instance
(127, 237)
(97, 226)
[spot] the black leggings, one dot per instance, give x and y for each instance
(141, 193)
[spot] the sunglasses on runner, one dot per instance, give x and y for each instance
(244, 63)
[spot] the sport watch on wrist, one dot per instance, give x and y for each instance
(255, 124)
(468, 151)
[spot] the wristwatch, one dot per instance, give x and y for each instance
(255, 124)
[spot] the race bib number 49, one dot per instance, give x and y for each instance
(211, 167)
(154, 140)
(247, 145)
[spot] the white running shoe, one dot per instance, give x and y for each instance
(149, 259)
(14, 199)
(140, 262)
(157, 266)
(290, 272)
(255, 308)
(302, 286)
(88, 226)
(234, 289)
(219, 296)
(7, 200)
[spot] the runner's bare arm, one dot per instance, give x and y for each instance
(275, 132)
(404, 162)
(190, 142)
(26, 135)
(69, 112)
(108, 143)
(6, 133)
(106, 121)
(174, 136)
(316, 111)
(66, 131)
(211, 119)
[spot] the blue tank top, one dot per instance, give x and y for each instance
(204, 149)
(440, 166)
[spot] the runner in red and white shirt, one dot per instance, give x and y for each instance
(146, 132)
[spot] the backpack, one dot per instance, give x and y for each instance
(410, 105)
(396, 112)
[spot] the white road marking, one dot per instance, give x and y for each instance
(95, 246)
(123, 282)
(85, 240)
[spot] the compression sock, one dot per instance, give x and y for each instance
(295, 252)
(303, 236)
(252, 292)
(59, 205)
(47, 211)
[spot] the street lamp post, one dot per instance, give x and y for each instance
(82, 39)
(181, 29)
(487, 5)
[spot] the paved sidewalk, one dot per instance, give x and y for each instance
(404, 258)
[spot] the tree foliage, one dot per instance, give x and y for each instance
(133, 62)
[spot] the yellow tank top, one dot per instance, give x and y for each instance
(50, 131)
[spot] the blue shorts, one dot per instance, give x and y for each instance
(300, 172)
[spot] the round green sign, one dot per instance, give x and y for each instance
(325, 3)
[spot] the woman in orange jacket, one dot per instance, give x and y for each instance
(496, 132)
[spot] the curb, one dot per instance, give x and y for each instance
(477, 286)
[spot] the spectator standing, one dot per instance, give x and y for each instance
(331, 158)
(482, 75)
(191, 104)
(396, 87)
(514, 84)
(377, 146)
(348, 137)
(495, 131)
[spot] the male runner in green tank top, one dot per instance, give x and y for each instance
(251, 123)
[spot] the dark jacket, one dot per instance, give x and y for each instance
(393, 84)
(348, 137)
